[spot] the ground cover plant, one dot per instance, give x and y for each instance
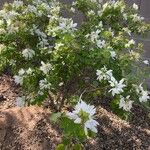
(52, 57)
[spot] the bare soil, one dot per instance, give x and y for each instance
(29, 128)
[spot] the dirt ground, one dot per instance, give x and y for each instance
(29, 128)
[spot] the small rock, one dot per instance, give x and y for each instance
(2, 98)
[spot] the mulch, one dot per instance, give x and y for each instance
(29, 128)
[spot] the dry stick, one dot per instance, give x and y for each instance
(52, 102)
(62, 103)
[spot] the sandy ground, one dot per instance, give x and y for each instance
(29, 128)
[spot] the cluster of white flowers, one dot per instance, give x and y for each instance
(117, 87)
(32, 9)
(134, 55)
(136, 18)
(95, 38)
(17, 4)
(127, 30)
(41, 36)
(29, 71)
(39, 7)
(130, 43)
(58, 45)
(114, 4)
(100, 43)
(21, 74)
(105, 74)
(125, 103)
(144, 96)
(113, 54)
(20, 101)
(66, 25)
(19, 78)
(28, 53)
(135, 6)
(54, 27)
(44, 84)
(9, 17)
(146, 62)
(46, 67)
(84, 115)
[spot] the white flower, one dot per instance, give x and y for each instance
(84, 114)
(125, 104)
(40, 92)
(134, 55)
(46, 67)
(29, 71)
(100, 43)
(58, 45)
(144, 96)
(18, 79)
(91, 124)
(93, 35)
(44, 84)
(21, 72)
(12, 29)
(72, 9)
(28, 53)
(67, 25)
(32, 8)
(138, 88)
(74, 3)
(104, 74)
(12, 62)
(37, 32)
(61, 84)
(17, 4)
(146, 62)
(100, 25)
(105, 6)
(125, 16)
(117, 88)
(127, 31)
(135, 6)
(9, 15)
(130, 43)
(113, 54)
(136, 18)
(91, 12)
(20, 101)
(43, 42)
(46, 6)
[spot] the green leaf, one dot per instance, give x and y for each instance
(77, 147)
(72, 129)
(60, 147)
(54, 117)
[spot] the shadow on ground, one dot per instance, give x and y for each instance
(116, 134)
(27, 129)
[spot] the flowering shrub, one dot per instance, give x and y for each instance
(52, 57)
(77, 126)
